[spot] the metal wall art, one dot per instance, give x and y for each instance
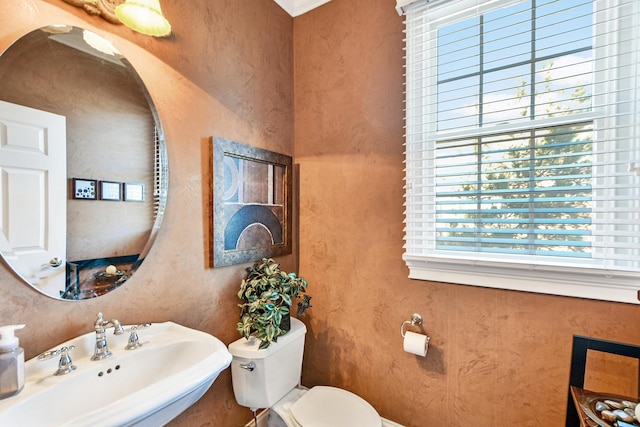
(252, 203)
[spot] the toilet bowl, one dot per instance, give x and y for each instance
(269, 378)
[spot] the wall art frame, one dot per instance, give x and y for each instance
(84, 189)
(252, 203)
(111, 190)
(133, 192)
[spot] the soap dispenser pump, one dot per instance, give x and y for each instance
(11, 362)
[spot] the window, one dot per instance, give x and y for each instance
(522, 145)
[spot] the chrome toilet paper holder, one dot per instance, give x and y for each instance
(416, 320)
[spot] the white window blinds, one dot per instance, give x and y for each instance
(522, 145)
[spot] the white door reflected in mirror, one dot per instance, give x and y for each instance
(33, 194)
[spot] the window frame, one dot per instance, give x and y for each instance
(509, 273)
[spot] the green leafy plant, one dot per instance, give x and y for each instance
(268, 293)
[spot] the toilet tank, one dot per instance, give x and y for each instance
(277, 368)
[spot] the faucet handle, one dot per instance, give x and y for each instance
(99, 320)
(65, 365)
(53, 353)
(134, 341)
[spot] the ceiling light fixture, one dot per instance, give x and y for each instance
(144, 16)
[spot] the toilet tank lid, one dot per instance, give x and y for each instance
(248, 349)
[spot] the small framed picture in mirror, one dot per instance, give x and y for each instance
(85, 189)
(110, 190)
(133, 192)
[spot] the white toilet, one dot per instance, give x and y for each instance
(269, 378)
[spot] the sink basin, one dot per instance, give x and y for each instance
(148, 386)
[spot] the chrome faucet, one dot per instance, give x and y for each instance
(100, 326)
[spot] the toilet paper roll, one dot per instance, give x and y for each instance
(416, 343)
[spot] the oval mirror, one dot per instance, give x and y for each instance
(83, 164)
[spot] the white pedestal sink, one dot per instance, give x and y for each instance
(148, 386)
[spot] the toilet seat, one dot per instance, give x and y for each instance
(324, 406)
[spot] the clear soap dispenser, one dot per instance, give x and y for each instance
(11, 362)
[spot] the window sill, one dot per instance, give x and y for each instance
(519, 277)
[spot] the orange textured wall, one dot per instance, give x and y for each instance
(226, 71)
(496, 358)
